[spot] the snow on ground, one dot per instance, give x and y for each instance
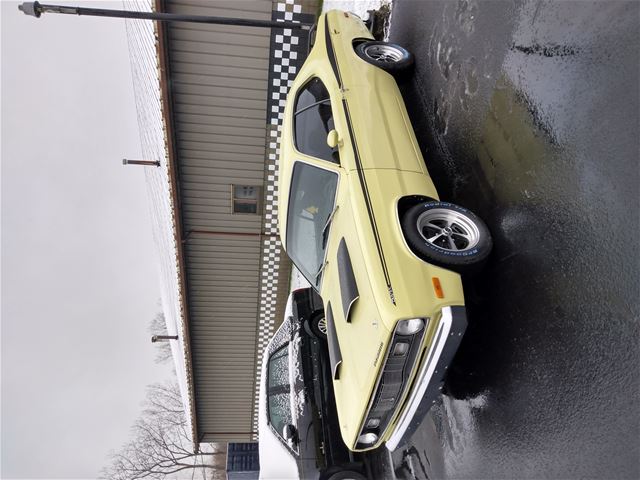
(359, 7)
(297, 280)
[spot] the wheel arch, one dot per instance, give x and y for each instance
(358, 40)
(408, 201)
(403, 205)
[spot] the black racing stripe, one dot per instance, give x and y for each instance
(363, 181)
(331, 53)
(367, 198)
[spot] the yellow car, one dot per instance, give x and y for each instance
(360, 218)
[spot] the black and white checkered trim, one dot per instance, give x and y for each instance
(288, 48)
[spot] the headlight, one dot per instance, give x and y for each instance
(367, 439)
(373, 423)
(409, 327)
(400, 349)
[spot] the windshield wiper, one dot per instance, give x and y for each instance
(325, 229)
(319, 272)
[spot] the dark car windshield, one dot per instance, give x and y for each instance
(279, 403)
(311, 201)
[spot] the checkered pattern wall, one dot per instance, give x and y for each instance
(288, 50)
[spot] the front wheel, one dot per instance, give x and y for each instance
(447, 235)
(387, 56)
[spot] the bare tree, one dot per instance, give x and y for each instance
(161, 446)
(158, 326)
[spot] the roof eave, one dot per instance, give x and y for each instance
(167, 114)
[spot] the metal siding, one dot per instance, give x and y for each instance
(198, 110)
(217, 148)
(227, 88)
(219, 83)
(222, 101)
(223, 292)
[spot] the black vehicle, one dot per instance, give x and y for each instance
(299, 431)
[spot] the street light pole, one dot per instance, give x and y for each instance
(36, 9)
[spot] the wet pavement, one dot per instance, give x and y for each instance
(528, 114)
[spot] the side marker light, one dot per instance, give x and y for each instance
(437, 288)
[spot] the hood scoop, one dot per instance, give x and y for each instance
(335, 356)
(348, 287)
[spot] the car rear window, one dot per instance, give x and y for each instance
(313, 120)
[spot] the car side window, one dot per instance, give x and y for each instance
(278, 388)
(313, 120)
(311, 203)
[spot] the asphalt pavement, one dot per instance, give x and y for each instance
(528, 114)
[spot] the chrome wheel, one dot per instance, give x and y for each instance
(384, 53)
(322, 325)
(388, 56)
(448, 229)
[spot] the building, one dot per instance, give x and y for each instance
(210, 100)
(243, 461)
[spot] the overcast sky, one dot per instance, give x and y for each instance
(79, 270)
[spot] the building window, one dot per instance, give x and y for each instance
(246, 199)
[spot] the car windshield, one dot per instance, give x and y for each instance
(311, 201)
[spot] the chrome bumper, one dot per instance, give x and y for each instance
(427, 385)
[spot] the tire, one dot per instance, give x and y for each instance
(347, 475)
(387, 56)
(318, 325)
(447, 235)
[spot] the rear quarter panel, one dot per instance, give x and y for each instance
(374, 103)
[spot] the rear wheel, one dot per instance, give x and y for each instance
(387, 56)
(318, 325)
(347, 475)
(447, 235)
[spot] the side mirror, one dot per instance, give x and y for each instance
(333, 139)
(290, 434)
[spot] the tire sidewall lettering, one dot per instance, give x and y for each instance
(468, 253)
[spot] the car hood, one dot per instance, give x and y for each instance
(361, 330)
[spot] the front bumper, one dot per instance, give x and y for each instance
(430, 378)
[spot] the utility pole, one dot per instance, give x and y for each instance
(36, 9)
